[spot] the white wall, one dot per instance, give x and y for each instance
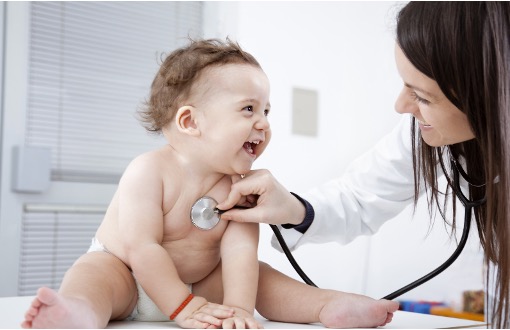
(344, 50)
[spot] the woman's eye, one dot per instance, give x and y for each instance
(419, 99)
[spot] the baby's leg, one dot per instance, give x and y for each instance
(281, 298)
(96, 289)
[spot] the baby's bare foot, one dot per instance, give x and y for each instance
(355, 311)
(51, 310)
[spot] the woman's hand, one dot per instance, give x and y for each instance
(268, 200)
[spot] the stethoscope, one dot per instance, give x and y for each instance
(205, 216)
(469, 205)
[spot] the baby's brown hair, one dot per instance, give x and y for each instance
(180, 70)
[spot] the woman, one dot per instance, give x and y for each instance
(454, 59)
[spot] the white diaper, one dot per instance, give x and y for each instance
(145, 309)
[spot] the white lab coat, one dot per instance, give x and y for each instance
(375, 188)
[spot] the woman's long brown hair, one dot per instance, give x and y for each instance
(465, 48)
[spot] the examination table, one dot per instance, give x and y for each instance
(12, 310)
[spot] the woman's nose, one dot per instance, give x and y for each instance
(404, 103)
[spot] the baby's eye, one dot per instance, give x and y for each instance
(249, 108)
(266, 112)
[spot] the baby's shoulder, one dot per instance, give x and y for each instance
(149, 166)
(152, 160)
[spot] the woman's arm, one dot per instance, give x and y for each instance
(375, 188)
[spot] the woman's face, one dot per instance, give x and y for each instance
(440, 122)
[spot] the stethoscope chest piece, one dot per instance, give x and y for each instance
(203, 213)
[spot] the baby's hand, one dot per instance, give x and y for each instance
(241, 320)
(201, 314)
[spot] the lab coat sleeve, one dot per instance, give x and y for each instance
(375, 188)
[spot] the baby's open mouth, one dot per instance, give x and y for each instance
(250, 146)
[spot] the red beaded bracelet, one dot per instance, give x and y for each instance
(181, 307)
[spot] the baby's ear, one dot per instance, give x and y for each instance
(185, 119)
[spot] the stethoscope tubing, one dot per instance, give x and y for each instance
(290, 257)
(468, 209)
(443, 266)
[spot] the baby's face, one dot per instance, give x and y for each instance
(233, 104)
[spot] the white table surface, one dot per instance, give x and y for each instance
(12, 310)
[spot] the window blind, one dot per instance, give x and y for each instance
(50, 243)
(91, 66)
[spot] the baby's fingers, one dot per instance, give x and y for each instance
(195, 324)
(241, 323)
(228, 324)
(253, 324)
(216, 310)
(204, 321)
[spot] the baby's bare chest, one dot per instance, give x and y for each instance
(194, 251)
(185, 208)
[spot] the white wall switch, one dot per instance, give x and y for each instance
(31, 170)
(305, 112)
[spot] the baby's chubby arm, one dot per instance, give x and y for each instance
(141, 228)
(240, 269)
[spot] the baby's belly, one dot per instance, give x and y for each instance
(194, 266)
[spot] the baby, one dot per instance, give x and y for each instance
(147, 260)
(210, 100)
